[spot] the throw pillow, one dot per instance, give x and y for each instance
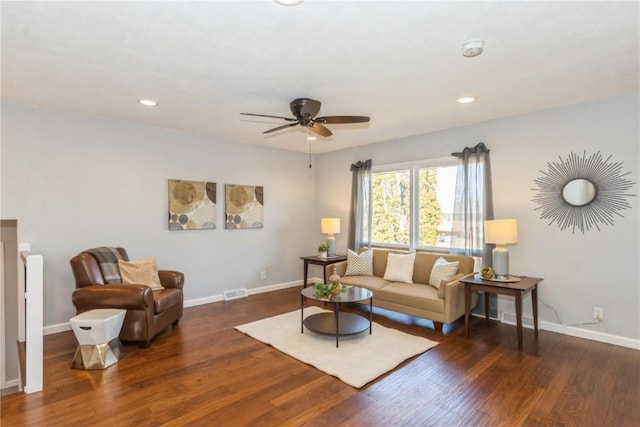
(359, 265)
(400, 268)
(141, 272)
(442, 270)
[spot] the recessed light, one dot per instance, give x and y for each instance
(148, 102)
(472, 47)
(466, 100)
(311, 138)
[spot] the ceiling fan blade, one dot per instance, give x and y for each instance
(267, 115)
(310, 108)
(342, 119)
(288, 125)
(319, 129)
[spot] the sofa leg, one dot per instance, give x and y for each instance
(437, 326)
(175, 323)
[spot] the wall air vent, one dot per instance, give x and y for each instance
(235, 294)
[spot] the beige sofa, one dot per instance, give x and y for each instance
(444, 305)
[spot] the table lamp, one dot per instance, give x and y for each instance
(330, 226)
(501, 232)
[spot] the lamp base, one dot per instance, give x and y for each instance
(331, 243)
(500, 262)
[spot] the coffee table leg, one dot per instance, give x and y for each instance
(370, 314)
(302, 314)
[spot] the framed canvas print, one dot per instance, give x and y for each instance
(244, 206)
(192, 205)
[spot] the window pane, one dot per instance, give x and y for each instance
(391, 195)
(436, 195)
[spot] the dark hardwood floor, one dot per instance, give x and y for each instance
(203, 372)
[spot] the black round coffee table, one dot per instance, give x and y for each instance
(337, 323)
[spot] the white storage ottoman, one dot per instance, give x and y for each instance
(97, 333)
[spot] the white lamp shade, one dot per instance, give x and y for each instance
(501, 231)
(330, 225)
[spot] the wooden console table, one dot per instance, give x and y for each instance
(515, 289)
(319, 261)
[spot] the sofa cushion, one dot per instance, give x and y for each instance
(359, 264)
(400, 267)
(373, 283)
(140, 272)
(442, 270)
(412, 295)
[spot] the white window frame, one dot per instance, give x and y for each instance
(414, 201)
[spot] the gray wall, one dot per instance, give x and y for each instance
(599, 268)
(76, 182)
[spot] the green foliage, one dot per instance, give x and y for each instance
(391, 212)
(430, 210)
(391, 195)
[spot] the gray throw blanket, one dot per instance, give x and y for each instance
(108, 261)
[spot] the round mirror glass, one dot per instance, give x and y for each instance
(579, 192)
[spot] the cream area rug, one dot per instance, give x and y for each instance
(360, 358)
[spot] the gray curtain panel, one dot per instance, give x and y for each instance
(360, 213)
(473, 204)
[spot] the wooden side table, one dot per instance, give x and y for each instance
(316, 260)
(515, 289)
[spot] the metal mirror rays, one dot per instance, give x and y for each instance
(582, 192)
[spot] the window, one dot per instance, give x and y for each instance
(412, 205)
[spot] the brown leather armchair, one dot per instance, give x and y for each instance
(148, 312)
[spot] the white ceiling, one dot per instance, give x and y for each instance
(398, 62)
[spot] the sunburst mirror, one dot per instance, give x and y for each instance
(582, 192)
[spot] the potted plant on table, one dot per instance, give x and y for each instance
(322, 250)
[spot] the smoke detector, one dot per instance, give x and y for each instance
(472, 47)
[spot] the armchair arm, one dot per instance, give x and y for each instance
(171, 279)
(134, 297)
(454, 298)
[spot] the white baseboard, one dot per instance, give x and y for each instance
(63, 327)
(11, 384)
(527, 322)
(54, 329)
(506, 317)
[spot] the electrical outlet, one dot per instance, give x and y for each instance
(598, 314)
(263, 274)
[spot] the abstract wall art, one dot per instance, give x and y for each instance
(192, 205)
(244, 206)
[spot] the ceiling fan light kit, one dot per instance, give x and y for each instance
(472, 47)
(305, 111)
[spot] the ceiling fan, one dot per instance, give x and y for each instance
(305, 111)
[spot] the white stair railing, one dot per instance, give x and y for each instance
(30, 310)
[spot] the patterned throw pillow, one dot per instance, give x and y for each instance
(442, 270)
(359, 265)
(400, 268)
